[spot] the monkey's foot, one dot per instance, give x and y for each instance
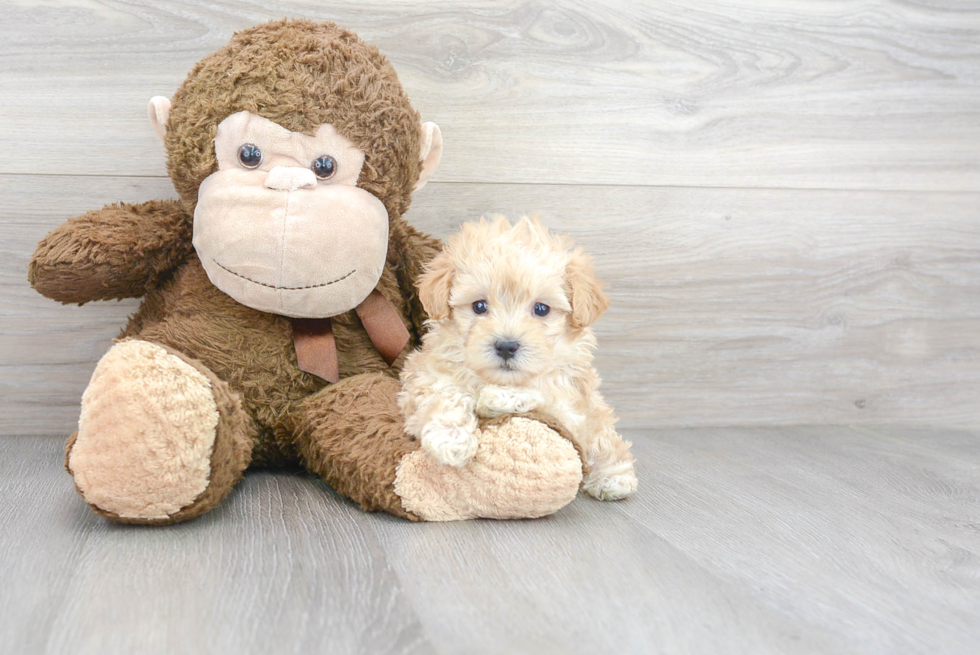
(522, 469)
(160, 438)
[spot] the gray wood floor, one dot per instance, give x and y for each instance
(741, 540)
(784, 201)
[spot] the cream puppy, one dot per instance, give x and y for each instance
(510, 309)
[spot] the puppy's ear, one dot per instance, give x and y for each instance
(584, 291)
(434, 286)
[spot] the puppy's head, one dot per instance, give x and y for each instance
(517, 297)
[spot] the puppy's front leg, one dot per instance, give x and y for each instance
(495, 400)
(449, 427)
(440, 412)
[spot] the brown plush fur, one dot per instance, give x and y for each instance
(298, 74)
(362, 470)
(120, 251)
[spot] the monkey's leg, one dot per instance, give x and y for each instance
(351, 434)
(160, 439)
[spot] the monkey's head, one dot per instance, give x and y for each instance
(295, 148)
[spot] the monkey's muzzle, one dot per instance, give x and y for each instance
(288, 247)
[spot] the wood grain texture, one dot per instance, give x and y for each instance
(749, 540)
(288, 564)
(760, 93)
(784, 201)
(730, 307)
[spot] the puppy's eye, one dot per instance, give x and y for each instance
(250, 156)
(480, 307)
(541, 309)
(324, 167)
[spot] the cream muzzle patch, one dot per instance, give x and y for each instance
(281, 226)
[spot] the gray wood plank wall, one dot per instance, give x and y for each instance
(784, 198)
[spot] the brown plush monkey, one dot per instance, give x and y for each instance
(279, 299)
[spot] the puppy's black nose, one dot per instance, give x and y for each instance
(507, 349)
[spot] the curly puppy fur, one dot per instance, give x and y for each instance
(298, 74)
(462, 374)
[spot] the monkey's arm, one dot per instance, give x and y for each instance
(416, 250)
(119, 251)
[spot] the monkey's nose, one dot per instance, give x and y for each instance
(506, 349)
(289, 178)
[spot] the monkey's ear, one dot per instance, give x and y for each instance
(159, 115)
(434, 286)
(585, 291)
(431, 153)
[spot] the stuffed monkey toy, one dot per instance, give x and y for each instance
(279, 300)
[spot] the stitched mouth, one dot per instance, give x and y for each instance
(271, 286)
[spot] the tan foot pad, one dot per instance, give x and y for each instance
(145, 435)
(522, 469)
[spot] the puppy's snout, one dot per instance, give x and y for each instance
(506, 349)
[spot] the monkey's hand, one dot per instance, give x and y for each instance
(495, 400)
(119, 251)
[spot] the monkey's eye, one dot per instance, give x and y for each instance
(480, 307)
(250, 156)
(324, 167)
(541, 309)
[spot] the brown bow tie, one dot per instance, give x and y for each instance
(316, 350)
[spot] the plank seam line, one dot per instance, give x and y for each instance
(582, 184)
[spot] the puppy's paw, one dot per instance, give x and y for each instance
(450, 444)
(611, 482)
(495, 400)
